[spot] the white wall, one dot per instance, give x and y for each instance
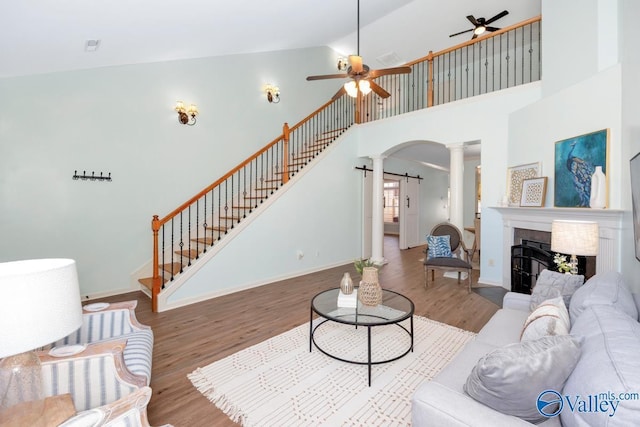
(121, 120)
(630, 132)
(482, 118)
(318, 216)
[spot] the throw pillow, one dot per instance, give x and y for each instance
(439, 246)
(510, 379)
(550, 318)
(551, 284)
(604, 288)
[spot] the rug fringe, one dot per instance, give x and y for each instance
(204, 386)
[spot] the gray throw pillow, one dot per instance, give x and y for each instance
(510, 379)
(551, 284)
(604, 289)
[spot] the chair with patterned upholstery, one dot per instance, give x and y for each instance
(107, 322)
(446, 251)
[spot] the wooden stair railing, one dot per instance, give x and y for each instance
(502, 59)
(186, 233)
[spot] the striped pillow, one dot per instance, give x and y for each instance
(439, 247)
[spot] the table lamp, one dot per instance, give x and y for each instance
(574, 238)
(39, 304)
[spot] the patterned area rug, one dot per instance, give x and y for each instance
(280, 383)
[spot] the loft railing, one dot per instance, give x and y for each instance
(184, 235)
(506, 58)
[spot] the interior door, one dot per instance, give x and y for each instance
(409, 214)
(367, 213)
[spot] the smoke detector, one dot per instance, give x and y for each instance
(91, 45)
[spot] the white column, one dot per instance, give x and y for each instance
(377, 217)
(456, 183)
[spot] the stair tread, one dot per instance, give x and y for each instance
(206, 240)
(172, 267)
(148, 282)
(188, 253)
(217, 228)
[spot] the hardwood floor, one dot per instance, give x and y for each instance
(195, 336)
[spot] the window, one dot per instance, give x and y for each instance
(391, 200)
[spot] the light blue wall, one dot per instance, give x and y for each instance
(121, 120)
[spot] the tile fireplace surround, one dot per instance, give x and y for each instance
(539, 219)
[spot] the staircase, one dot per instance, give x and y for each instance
(206, 220)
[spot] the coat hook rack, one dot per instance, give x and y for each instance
(92, 177)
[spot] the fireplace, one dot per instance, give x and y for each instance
(534, 224)
(532, 253)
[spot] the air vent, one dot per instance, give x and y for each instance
(390, 59)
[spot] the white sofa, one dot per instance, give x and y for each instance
(603, 314)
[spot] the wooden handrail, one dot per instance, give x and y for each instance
(157, 223)
(430, 56)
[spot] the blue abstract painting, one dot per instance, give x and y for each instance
(576, 160)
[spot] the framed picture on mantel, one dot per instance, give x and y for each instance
(576, 160)
(515, 178)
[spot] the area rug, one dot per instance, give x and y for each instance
(280, 383)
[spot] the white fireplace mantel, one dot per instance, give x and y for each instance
(609, 222)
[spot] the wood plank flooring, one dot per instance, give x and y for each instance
(195, 336)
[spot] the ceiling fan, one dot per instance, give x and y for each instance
(361, 75)
(481, 25)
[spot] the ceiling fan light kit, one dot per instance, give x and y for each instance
(481, 25)
(360, 74)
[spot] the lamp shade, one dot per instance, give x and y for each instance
(575, 237)
(39, 303)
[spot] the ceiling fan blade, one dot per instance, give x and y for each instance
(356, 63)
(473, 20)
(461, 32)
(386, 71)
(492, 29)
(339, 93)
(378, 90)
(475, 36)
(328, 76)
(498, 16)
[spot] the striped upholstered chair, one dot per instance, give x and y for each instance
(103, 391)
(115, 321)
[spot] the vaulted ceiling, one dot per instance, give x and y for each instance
(40, 36)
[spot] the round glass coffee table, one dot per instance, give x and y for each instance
(394, 309)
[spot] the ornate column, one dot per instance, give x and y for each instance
(377, 214)
(456, 184)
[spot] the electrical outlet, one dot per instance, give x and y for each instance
(491, 262)
(300, 254)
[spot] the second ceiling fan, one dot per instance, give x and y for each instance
(361, 75)
(481, 25)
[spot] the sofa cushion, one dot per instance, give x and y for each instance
(605, 288)
(510, 379)
(608, 366)
(551, 284)
(438, 246)
(550, 318)
(504, 327)
(455, 374)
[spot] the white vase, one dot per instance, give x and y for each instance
(346, 284)
(598, 197)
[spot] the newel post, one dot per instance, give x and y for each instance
(285, 153)
(430, 80)
(155, 288)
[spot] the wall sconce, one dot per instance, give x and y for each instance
(273, 93)
(186, 116)
(342, 64)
